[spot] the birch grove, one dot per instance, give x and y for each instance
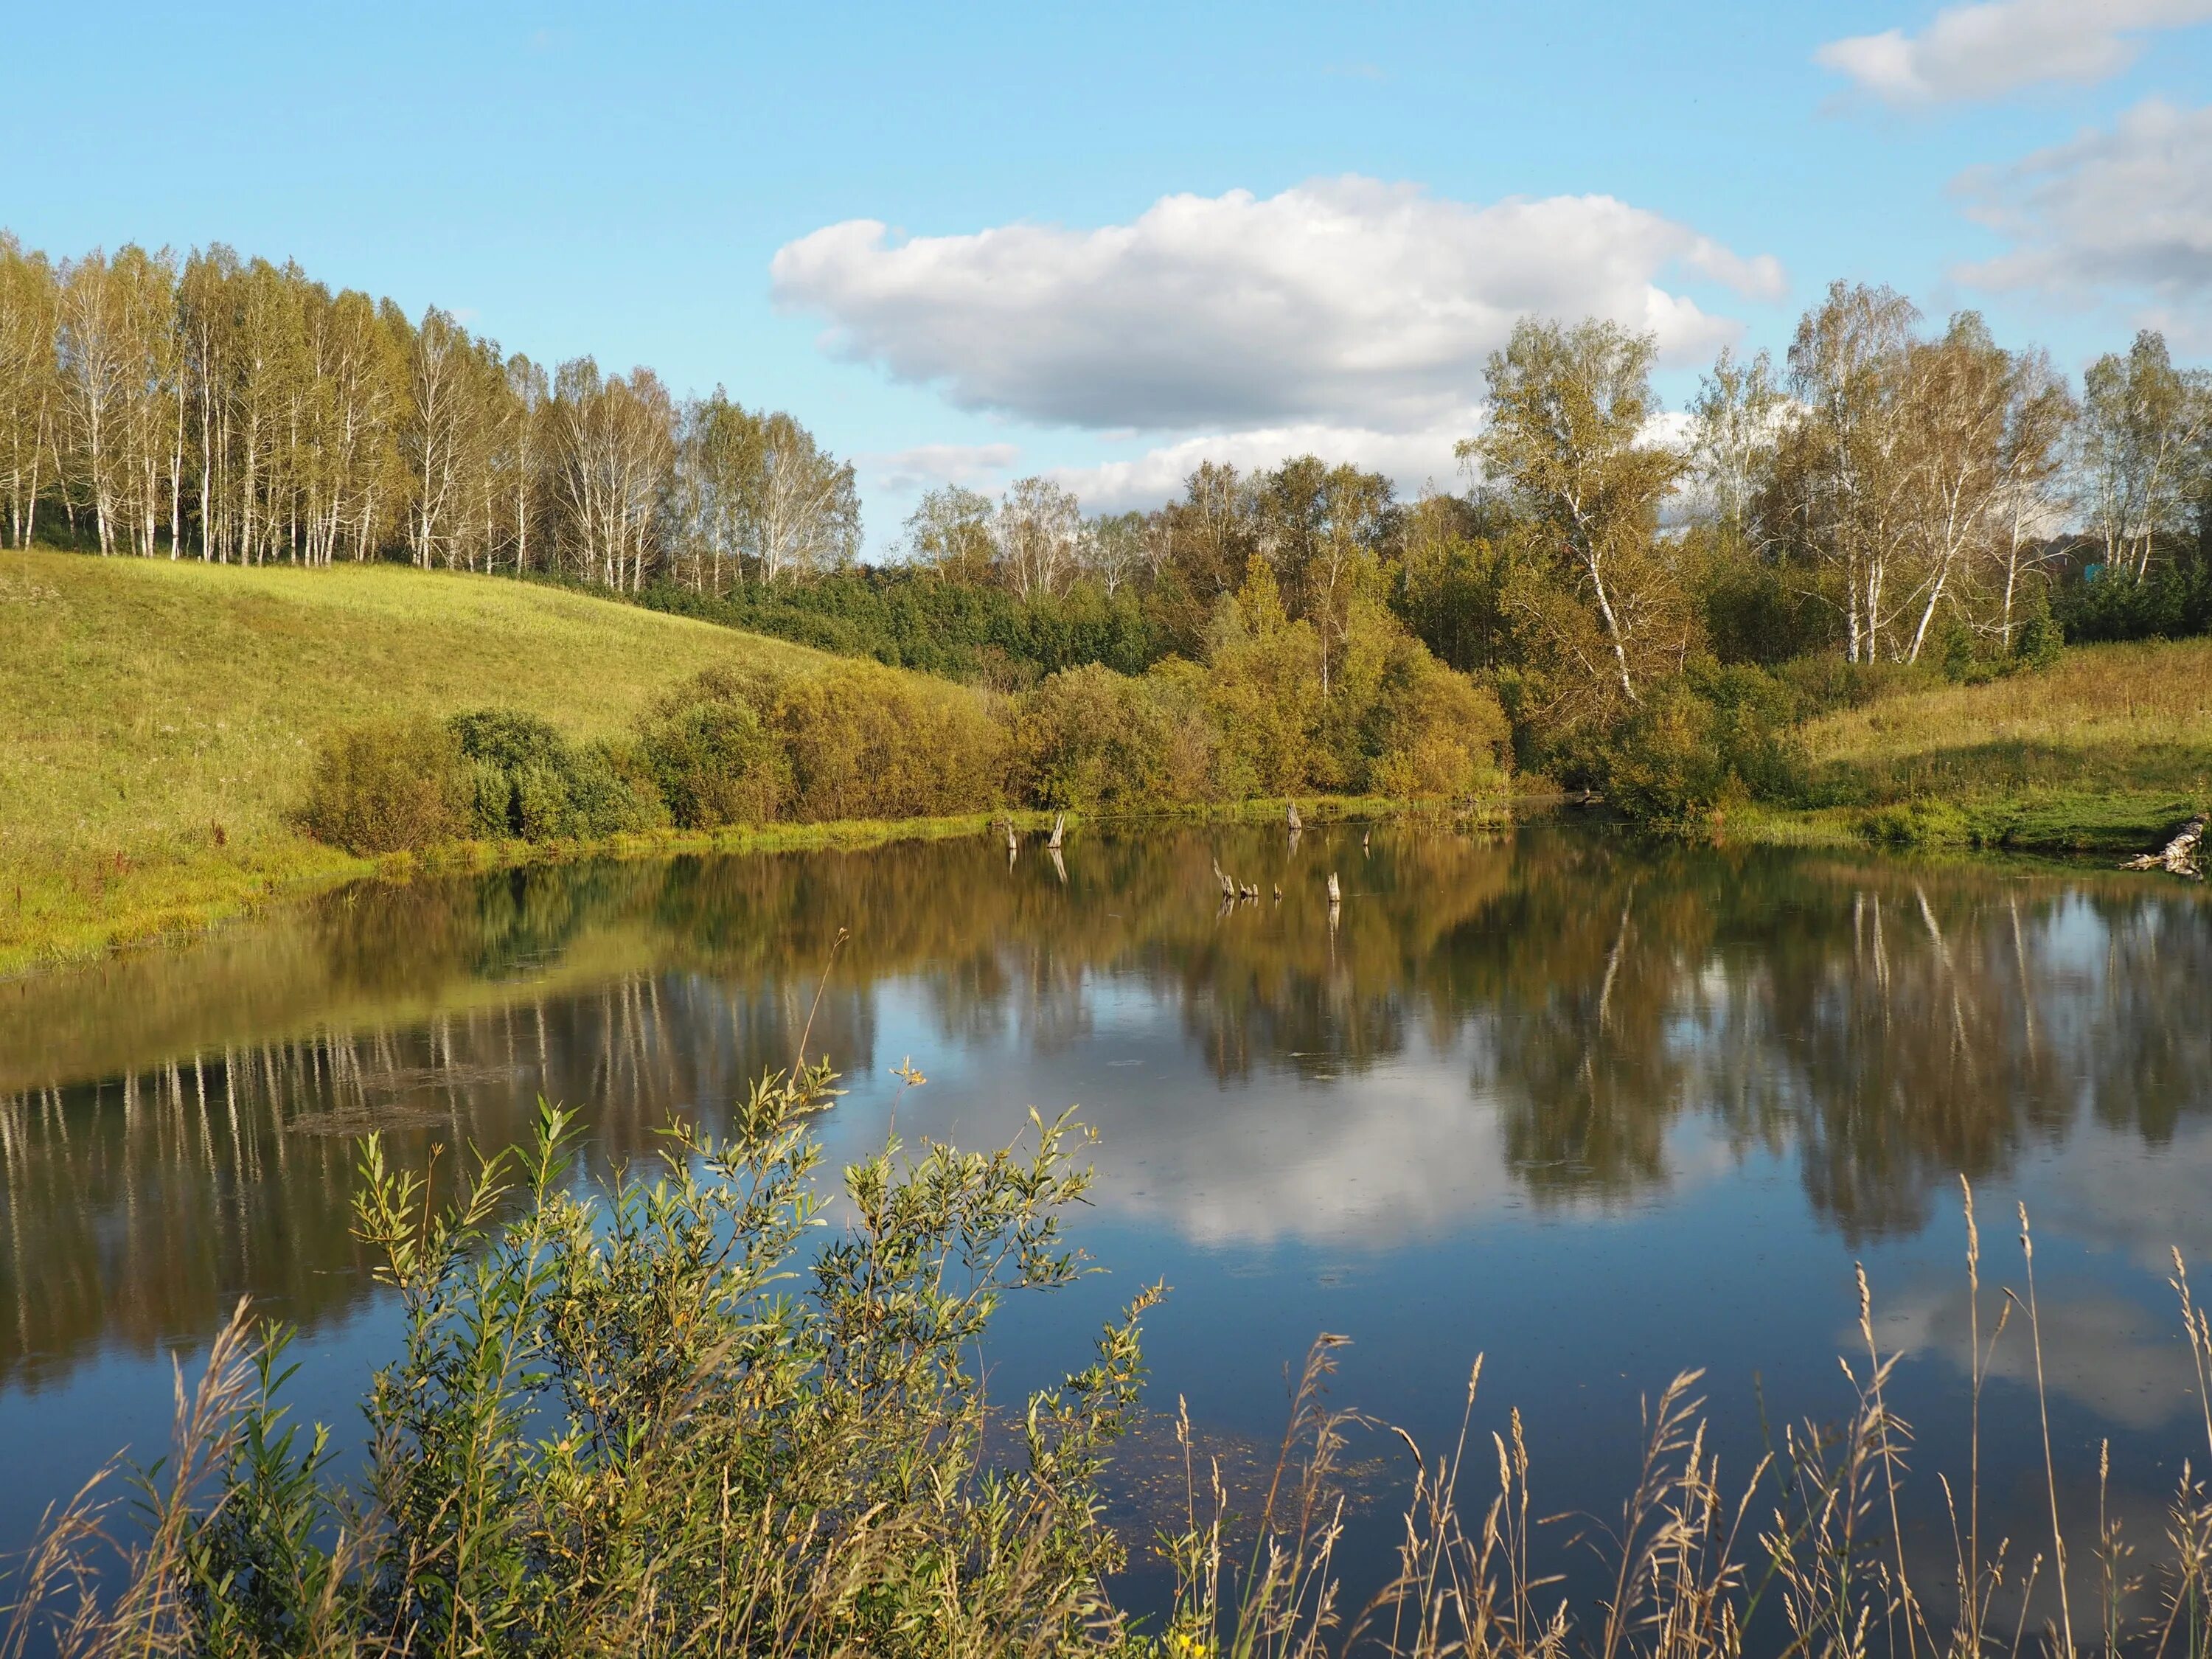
(234, 411)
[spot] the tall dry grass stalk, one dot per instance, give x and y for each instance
(1803, 1556)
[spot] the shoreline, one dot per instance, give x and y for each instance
(231, 890)
(2058, 829)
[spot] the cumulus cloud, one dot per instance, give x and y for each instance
(2122, 216)
(1346, 303)
(1986, 50)
(1411, 460)
(907, 471)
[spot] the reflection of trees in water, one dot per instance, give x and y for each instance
(139, 1208)
(1894, 1028)
(1886, 1026)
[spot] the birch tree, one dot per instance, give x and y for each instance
(1737, 417)
(2039, 414)
(807, 516)
(147, 427)
(436, 438)
(95, 373)
(708, 511)
(616, 447)
(949, 532)
(518, 458)
(1568, 438)
(2144, 428)
(30, 383)
(1118, 551)
(1037, 536)
(1849, 460)
(1953, 402)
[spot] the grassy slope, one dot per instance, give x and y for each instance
(143, 705)
(2105, 752)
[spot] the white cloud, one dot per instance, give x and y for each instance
(1988, 50)
(1342, 304)
(908, 472)
(2124, 216)
(1411, 460)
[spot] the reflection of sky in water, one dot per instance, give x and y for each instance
(1600, 1120)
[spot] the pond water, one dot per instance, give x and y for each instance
(1598, 1110)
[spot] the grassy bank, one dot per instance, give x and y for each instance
(2104, 752)
(160, 718)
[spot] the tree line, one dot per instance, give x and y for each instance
(1886, 494)
(235, 411)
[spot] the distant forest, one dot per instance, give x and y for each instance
(1887, 493)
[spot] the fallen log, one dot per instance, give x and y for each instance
(2178, 857)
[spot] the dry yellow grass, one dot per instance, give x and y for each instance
(155, 718)
(2099, 702)
(2106, 750)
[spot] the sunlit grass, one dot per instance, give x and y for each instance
(2107, 749)
(159, 717)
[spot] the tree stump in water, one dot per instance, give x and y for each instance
(2179, 856)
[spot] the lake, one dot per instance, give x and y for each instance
(1598, 1109)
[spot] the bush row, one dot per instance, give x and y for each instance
(857, 740)
(906, 618)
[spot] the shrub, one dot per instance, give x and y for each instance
(1089, 738)
(863, 742)
(2172, 602)
(1696, 742)
(655, 1417)
(1434, 732)
(1824, 683)
(1664, 765)
(905, 617)
(1264, 688)
(710, 757)
(2041, 640)
(386, 787)
(1193, 762)
(1752, 612)
(527, 783)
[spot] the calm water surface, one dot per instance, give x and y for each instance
(1597, 1111)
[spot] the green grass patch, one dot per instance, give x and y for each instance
(160, 717)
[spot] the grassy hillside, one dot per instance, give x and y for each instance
(2105, 752)
(155, 718)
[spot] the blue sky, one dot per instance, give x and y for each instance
(623, 181)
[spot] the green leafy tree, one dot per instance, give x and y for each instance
(1569, 440)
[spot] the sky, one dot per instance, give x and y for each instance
(969, 244)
